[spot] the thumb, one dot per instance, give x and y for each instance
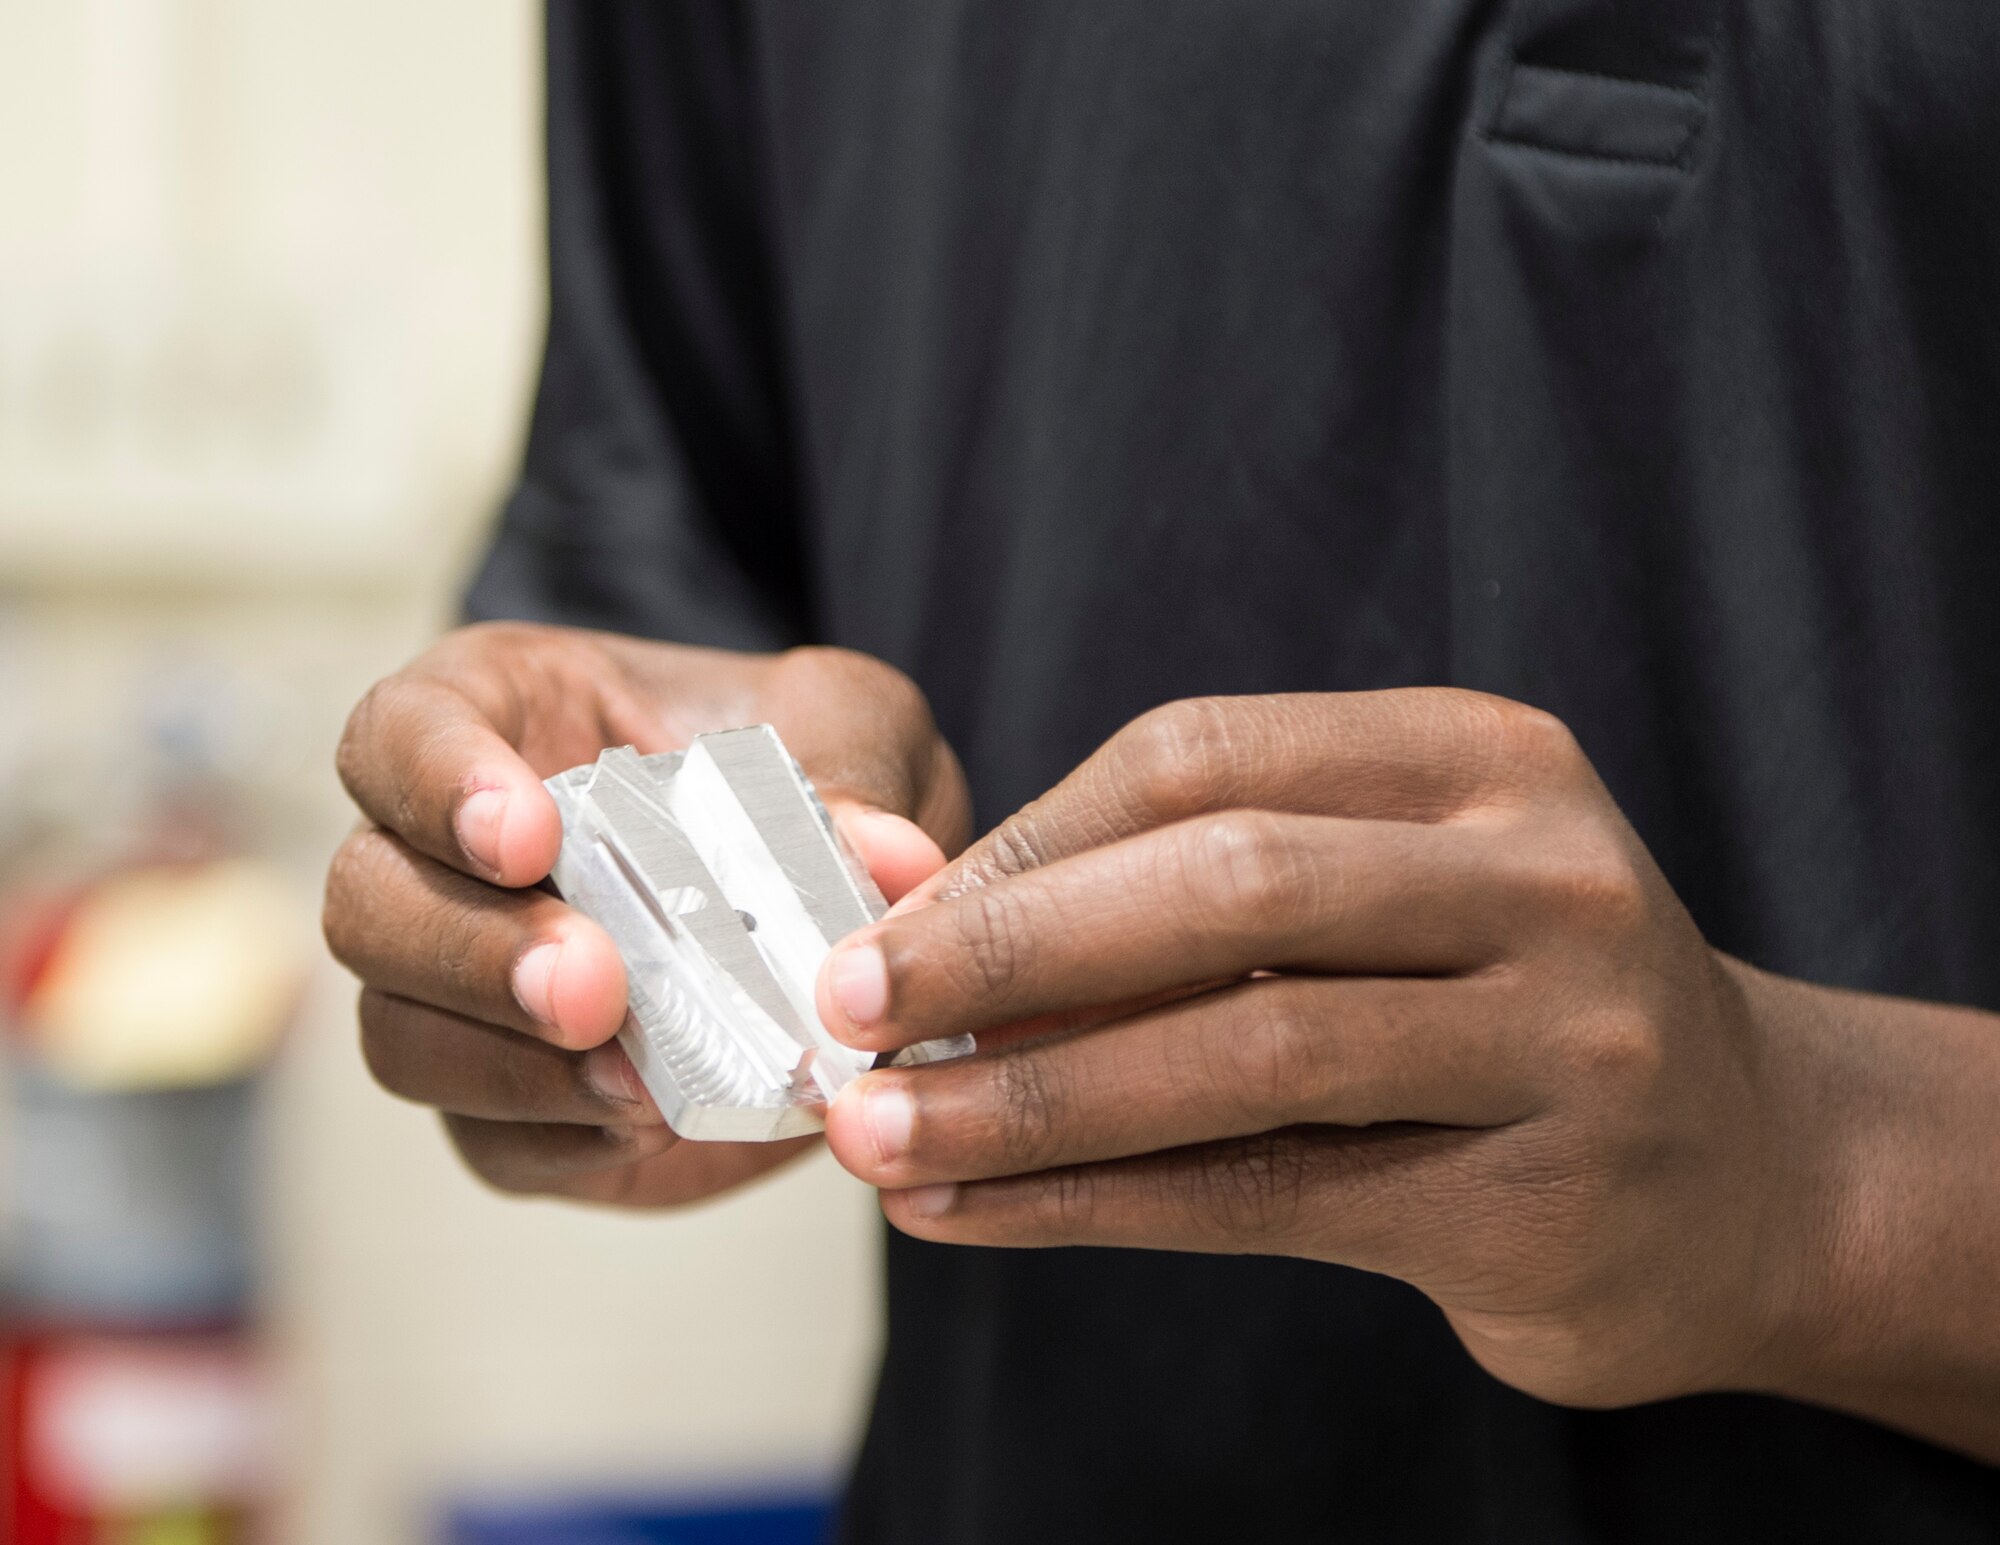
(898, 853)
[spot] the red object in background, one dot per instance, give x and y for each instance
(31, 931)
(132, 1437)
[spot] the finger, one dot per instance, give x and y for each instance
(472, 1069)
(540, 1157)
(898, 853)
(410, 926)
(1213, 898)
(1408, 755)
(1256, 1057)
(424, 757)
(657, 1172)
(1380, 1199)
(1065, 1021)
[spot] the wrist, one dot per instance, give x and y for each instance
(1885, 1234)
(1812, 1284)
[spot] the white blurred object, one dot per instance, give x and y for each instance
(119, 1426)
(249, 331)
(153, 431)
(170, 977)
(718, 874)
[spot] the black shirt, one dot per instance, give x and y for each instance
(1640, 360)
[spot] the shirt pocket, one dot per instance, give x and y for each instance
(1574, 112)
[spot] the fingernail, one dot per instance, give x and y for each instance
(481, 815)
(858, 982)
(535, 981)
(889, 1114)
(610, 1073)
(930, 1201)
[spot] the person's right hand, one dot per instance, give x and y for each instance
(495, 1002)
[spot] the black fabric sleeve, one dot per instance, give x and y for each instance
(657, 492)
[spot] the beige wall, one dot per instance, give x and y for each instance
(269, 293)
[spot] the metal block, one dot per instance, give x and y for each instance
(718, 874)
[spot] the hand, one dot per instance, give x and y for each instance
(1381, 979)
(495, 1002)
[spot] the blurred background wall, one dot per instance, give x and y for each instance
(270, 299)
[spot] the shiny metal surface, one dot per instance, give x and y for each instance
(719, 875)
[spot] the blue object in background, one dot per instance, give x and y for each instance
(793, 1520)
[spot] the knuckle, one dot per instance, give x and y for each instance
(503, 635)
(458, 971)
(1277, 1059)
(356, 751)
(521, 1088)
(1532, 742)
(520, 1160)
(1071, 1201)
(379, 1042)
(435, 768)
(1028, 1103)
(625, 1147)
(1596, 886)
(889, 690)
(824, 660)
(1622, 1050)
(343, 906)
(1016, 845)
(1255, 1189)
(991, 936)
(333, 911)
(486, 1151)
(1523, 748)
(900, 698)
(1244, 860)
(514, 649)
(1177, 757)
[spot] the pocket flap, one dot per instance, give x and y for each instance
(1573, 112)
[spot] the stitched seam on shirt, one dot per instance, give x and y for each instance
(1672, 163)
(1621, 80)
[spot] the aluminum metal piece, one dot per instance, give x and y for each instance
(718, 874)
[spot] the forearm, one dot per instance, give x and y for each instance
(1893, 1109)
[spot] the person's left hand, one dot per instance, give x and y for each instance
(1382, 979)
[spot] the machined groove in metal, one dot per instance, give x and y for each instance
(718, 874)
